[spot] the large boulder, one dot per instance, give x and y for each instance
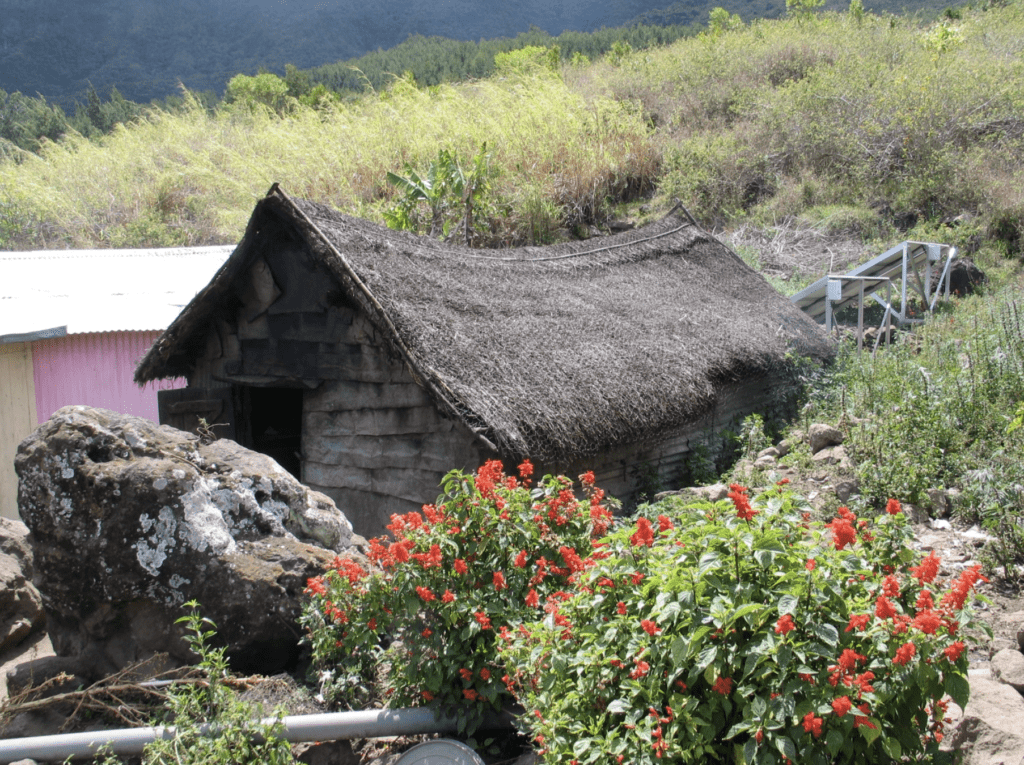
(989, 733)
(131, 520)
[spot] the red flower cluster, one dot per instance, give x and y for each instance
(892, 507)
(723, 685)
(904, 653)
(843, 531)
(784, 625)
(738, 495)
(928, 570)
(425, 594)
(644, 535)
(651, 628)
(812, 724)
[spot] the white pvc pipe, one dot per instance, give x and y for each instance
(372, 723)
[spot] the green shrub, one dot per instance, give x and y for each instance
(742, 632)
(237, 735)
(476, 564)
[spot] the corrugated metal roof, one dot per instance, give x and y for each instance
(100, 290)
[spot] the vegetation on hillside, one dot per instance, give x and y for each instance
(857, 124)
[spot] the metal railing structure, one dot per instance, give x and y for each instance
(910, 263)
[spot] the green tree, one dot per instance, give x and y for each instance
(803, 10)
(721, 21)
(265, 89)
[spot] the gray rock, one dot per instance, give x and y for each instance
(784, 447)
(21, 607)
(995, 645)
(820, 436)
(939, 503)
(764, 463)
(771, 451)
(1008, 667)
(833, 455)
(847, 489)
(990, 730)
(130, 520)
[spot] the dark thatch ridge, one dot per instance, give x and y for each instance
(555, 352)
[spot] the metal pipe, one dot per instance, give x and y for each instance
(371, 723)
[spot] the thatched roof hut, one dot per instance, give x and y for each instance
(570, 354)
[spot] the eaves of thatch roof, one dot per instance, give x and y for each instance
(553, 352)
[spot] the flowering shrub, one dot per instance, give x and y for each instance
(486, 557)
(742, 631)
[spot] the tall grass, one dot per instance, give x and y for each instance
(193, 177)
(875, 125)
(905, 121)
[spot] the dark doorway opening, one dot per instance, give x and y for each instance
(274, 418)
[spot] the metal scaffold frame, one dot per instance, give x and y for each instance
(904, 262)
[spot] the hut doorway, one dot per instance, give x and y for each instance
(272, 420)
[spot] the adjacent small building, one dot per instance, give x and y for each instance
(73, 326)
(369, 362)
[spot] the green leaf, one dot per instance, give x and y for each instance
(618, 707)
(707, 656)
(736, 729)
(788, 604)
(834, 741)
(958, 689)
(871, 733)
(744, 610)
(786, 747)
(749, 751)
(892, 747)
(758, 706)
(707, 562)
(678, 651)
(828, 633)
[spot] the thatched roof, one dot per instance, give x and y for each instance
(553, 352)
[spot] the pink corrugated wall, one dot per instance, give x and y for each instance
(95, 369)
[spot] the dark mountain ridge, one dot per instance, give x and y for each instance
(145, 48)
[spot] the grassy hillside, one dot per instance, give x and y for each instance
(854, 125)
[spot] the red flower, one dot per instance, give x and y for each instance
(953, 651)
(621, 608)
(525, 469)
(483, 619)
(884, 609)
(470, 694)
(665, 523)
(811, 564)
(572, 559)
(925, 601)
(892, 507)
(904, 653)
(843, 533)
(499, 581)
(460, 566)
(812, 724)
(723, 685)
(587, 479)
(741, 501)
(428, 696)
(891, 587)
(784, 625)
(928, 570)
(641, 669)
(532, 599)
(644, 535)
(848, 659)
(842, 705)
(651, 628)
(636, 577)
(467, 674)
(927, 621)
(862, 719)
(425, 594)
(315, 586)
(448, 596)
(759, 736)
(430, 559)
(858, 622)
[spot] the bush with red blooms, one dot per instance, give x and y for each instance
(744, 632)
(491, 553)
